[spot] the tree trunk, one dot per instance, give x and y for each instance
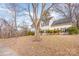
(37, 34)
(77, 24)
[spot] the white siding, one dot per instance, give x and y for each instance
(59, 27)
(56, 27)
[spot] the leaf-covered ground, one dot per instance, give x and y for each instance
(49, 46)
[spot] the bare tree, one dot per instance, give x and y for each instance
(76, 13)
(23, 28)
(36, 14)
(1, 28)
(13, 12)
(68, 10)
(36, 17)
(12, 8)
(4, 28)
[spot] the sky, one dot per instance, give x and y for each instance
(5, 13)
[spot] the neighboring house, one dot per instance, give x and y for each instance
(61, 24)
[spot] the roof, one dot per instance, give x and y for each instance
(61, 21)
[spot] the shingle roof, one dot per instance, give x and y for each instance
(61, 21)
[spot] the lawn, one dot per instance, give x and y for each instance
(51, 45)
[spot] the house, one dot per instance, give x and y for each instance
(61, 24)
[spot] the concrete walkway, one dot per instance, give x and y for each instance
(6, 51)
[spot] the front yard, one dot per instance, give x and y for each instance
(50, 45)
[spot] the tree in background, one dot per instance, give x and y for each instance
(23, 29)
(13, 8)
(68, 10)
(5, 28)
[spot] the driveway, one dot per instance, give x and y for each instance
(6, 51)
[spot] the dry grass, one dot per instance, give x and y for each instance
(49, 46)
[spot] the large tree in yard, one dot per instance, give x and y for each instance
(39, 13)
